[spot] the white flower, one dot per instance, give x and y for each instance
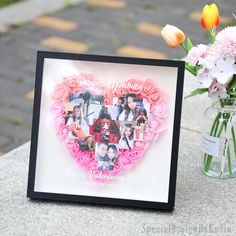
(214, 66)
(204, 77)
(194, 55)
(224, 69)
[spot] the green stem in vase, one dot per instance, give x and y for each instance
(234, 140)
(209, 157)
(214, 127)
(229, 161)
(221, 129)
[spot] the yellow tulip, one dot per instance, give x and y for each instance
(173, 36)
(210, 16)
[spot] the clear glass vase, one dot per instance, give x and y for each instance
(219, 139)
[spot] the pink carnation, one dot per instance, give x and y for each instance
(225, 43)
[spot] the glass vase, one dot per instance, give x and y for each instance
(219, 139)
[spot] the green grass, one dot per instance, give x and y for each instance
(149, 6)
(18, 25)
(91, 8)
(15, 121)
(68, 5)
(4, 3)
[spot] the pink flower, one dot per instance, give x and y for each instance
(118, 92)
(217, 90)
(63, 132)
(134, 155)
(226, 42)
(148, 85)
(61, 92)
(71, 81)
(57, 109)
(116, 170)
(107, 98)
(153, 125)
(156, 96)
(125, 162)
(59, 122)
(85, 160)
(138, 145)
(200, 51)
(148, 136)
(75, 150)
(159, 111)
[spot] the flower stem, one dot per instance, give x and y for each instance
(184, 47)
(214, 129)
(234, 140)
(212, 34)
(229, 161)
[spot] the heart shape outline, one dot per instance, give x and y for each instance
(126, 158)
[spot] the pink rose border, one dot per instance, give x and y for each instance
(127, 158)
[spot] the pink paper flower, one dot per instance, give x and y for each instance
(61, 92)
(159, 111)
(148, 137)
(57, 109)
(59, 122)
(148, 85)
(155, 97)
(138, 145)
(134, 155)
(85, 160)
(75, 150)
(63, 132)
(71, 81)
(108, 98)
(125, 162)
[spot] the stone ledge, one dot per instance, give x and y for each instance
(203, 205)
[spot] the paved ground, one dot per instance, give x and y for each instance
(112, 27)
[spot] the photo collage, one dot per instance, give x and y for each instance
(106, 129)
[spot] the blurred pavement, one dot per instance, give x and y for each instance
(109, 27)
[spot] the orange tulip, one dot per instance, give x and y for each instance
(210, 16)
(173, 36)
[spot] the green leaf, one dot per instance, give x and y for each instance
(197, 91)
(232, 93)
(189, 44)
(191, 69)
(232, 84)
(184, 47)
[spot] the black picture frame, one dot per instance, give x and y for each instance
(31, 193)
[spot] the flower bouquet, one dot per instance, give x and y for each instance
(214, 67)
